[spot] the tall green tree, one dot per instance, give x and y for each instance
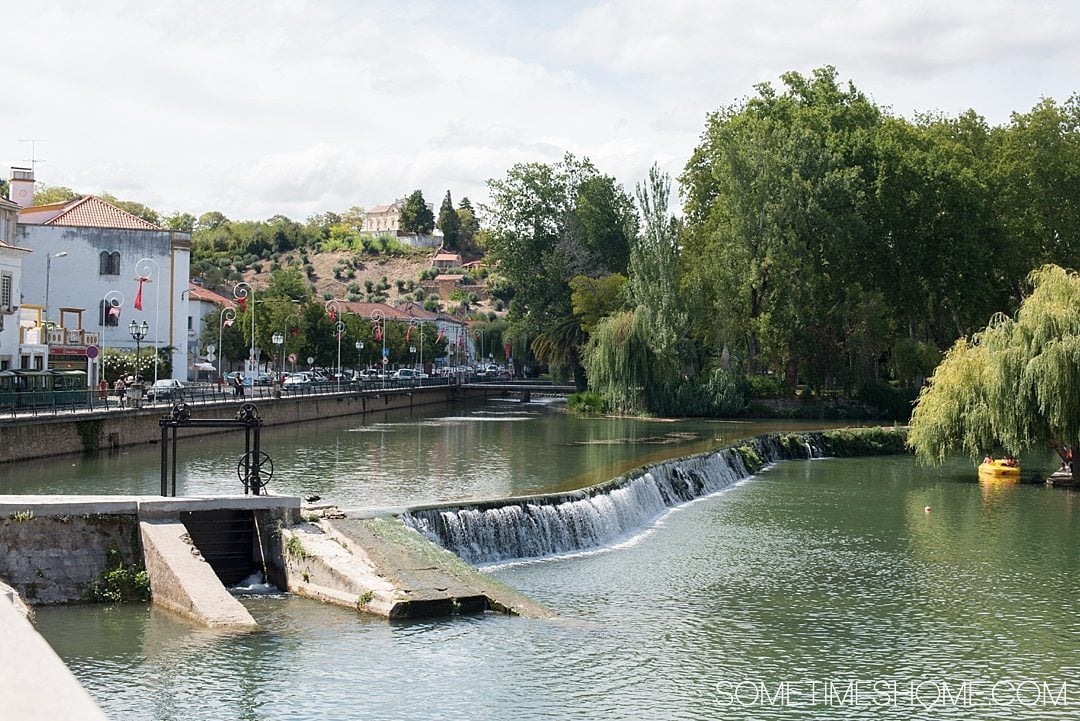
(633, 358)
(546, 225)
(468, 225)
(774, 215)
(416, 216)
(654, 275)
(1035, 173)
(449, 223)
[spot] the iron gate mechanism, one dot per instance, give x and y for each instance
(255, 467)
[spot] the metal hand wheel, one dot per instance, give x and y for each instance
(255, 477)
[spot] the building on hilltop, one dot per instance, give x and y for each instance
(386, 220)
(92, 263)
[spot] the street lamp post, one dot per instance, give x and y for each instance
(380, 332)
(333, 309)
(285, 333)
(146, 275)
(279, 341)
(420, 323)
(340, 331)
(138, 331)
(226, 317)
(359, 347)
(48, 272)
(243, 292)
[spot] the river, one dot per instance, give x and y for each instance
(816, 589)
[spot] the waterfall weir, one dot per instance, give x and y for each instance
(536, 526)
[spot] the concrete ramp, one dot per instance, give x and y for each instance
(182, 581)
(378, 565)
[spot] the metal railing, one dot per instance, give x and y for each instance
(46, 403)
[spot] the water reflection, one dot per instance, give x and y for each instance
(490, 450)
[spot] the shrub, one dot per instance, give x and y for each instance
(766, 386)
(586, 403)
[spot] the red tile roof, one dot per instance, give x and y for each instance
(197, 292)
(87, 211)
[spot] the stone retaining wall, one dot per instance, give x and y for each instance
(57, 559)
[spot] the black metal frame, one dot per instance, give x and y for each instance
(250, 464)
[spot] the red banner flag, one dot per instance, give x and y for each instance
(242, 302)
(294, 330)
(138, 294)
(439, 335)
(333, 315)
(408, 332)
(378, 331)
(114, 311)
(507, 349)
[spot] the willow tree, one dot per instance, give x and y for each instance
(619, 362)
(1016, 383)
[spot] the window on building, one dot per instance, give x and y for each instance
(109, 263)
(5, 292)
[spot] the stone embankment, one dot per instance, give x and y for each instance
(27, 437)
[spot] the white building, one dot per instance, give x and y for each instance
(11, 260)
(201, 303)
(89, 254)
(386, 220)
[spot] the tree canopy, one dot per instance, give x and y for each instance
(449, 223)
(416, 216)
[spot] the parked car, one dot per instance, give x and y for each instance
(408, 374)
(297, 381)
(165, 389)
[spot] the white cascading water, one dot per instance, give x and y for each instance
(538, 526)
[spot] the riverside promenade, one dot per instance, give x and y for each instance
(103, 424)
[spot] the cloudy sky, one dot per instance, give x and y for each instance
(260, 107)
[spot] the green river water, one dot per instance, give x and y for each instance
(817, 589)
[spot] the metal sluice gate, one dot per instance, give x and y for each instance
(255, 468)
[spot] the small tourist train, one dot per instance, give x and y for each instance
(21, 389)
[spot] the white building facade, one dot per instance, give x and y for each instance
(11, 260)
(91, 259)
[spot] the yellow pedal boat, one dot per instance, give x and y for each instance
(999, 469)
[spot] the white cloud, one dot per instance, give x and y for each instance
(298, 107)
